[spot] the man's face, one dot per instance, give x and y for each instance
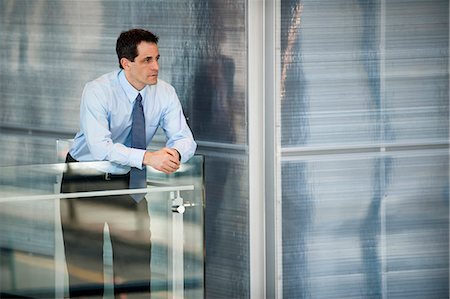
(144, 69)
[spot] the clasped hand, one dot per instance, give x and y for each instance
(166, 160)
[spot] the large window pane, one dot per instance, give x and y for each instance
(366, 226)
(416, 71)
(357, 76)
(51, 48)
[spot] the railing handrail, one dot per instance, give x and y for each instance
(151, 189)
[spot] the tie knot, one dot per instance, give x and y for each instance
(139, 98)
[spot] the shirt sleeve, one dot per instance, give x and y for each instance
(94, 114)
(178, 133)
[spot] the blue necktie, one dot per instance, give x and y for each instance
(138, 177)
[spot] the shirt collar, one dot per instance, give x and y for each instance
(129, 90)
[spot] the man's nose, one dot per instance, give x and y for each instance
(155, 65)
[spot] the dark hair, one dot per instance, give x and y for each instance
(127, 42)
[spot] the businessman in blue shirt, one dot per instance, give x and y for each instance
(109, 120)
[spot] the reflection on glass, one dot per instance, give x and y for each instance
(83, 221)
(210, 74)
(366, 226)
(32, 255)
(372, 75)
(205, 58)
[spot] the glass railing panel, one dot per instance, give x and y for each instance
(27, 230)
(32, 260)
(187, 239)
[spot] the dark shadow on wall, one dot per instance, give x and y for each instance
(215, 107)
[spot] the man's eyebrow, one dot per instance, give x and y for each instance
(149, 57)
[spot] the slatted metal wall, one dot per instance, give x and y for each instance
(364, 143)
(49, 49)
(364, 127)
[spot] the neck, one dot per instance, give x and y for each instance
(136, 85)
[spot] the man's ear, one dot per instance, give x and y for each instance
(125, 63)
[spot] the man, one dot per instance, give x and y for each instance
(119, 115)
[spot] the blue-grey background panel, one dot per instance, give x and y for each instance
(366, 225)
(227, 273)
(363, 72)
(49, 49)
(19, 149)
(416, 71)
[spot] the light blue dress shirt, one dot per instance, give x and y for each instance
(105, 122)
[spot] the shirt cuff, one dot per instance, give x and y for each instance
(137, 157)
(179, 155)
